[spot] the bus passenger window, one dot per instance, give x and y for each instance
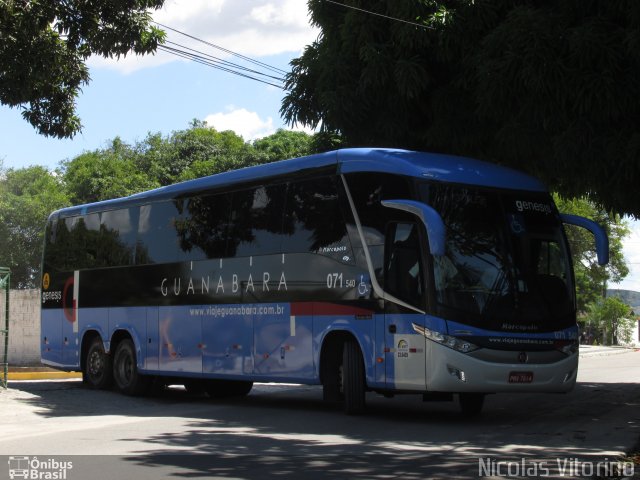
(157, 236)
(313, 220)
(256, 221)
(86, 238)
(204, 228)
(367, 190)
(73, 243)
(117, 237)
(403, 272)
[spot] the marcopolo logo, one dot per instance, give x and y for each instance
(38, 469)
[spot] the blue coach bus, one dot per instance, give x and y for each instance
(360, 269)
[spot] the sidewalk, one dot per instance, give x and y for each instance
(39, 373)
(598, 350)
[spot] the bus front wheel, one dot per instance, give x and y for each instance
(125, 371)
(97, 366)
(353, 381)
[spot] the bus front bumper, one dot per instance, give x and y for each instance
(451, 371)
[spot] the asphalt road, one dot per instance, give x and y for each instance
(288, 432)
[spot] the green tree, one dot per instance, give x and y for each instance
(44, 45)
(27, 196)
(591, 278)
(608, 318)
(185, 154)
(283, 144)
(546, 87)
(105, 174)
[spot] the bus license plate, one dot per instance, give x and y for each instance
(520, 377)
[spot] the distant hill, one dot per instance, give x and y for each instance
(629, 297)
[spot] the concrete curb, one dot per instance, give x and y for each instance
(591, 351)
(39, 373)
(42, 375)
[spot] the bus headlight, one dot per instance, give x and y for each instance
(446, 340)
(568, 347)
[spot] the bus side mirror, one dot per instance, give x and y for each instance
(602, 241)
(429, 217)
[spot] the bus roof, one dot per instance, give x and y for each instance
(431, 166)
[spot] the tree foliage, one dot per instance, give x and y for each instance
(609, 319)
(103, 174)
(27, 196)
(283, 144)
(44, 45)
(591, 278)
(546, 87)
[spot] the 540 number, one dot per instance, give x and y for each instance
(336, 280)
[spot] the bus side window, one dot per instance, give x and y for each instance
(403, 273)
(367, 191)
(157, 240)
(313, 220)
(203, 229)
(52, 246)
(68, 252)
(255, 227)
(117, 237)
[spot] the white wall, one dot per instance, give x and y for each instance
(24, 327)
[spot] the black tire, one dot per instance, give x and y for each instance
(97, 372)
(125, 370)
(353, 381)
(227, 388)
(471, 403)
(332, 378)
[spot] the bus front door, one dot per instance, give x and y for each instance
(404, 287)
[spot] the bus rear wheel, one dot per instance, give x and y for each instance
(125, 371)
(228, 388)
(353, 381)
(97, 371)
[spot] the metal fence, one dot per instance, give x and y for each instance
(5, 277)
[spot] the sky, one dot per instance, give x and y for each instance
(134, 96)
(163, 93)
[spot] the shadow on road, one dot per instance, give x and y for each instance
(277, 431)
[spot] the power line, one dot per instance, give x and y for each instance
(217, 60)
(231, 52)
(214, 64)
(380, 15)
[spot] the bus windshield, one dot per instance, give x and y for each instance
(506, 265)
